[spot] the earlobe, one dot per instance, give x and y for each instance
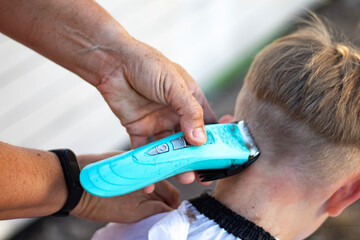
(226, 119)
(343, 197)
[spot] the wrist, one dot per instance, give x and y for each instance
(85, 202)
(57, 190)
(104, 52)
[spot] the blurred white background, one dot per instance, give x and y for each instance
(44, 106)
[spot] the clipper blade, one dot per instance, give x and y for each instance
(249, 142)
(214, 174)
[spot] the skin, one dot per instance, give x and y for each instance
(127, 208)
(273, 194)
(151, 95)
(28, 195)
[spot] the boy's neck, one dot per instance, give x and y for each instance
(271, 199)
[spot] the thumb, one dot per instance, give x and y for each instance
(190, 112)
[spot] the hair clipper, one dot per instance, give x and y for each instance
(229, 149)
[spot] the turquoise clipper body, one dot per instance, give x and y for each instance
(228, 150)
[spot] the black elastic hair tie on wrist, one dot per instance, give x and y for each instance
(71, 171)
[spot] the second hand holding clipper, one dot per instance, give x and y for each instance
(228, 150)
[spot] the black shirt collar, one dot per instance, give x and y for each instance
(227, 219)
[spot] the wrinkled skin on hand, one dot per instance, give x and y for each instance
(153, 96)
(127, 208)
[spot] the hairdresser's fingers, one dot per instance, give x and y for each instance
(179, 94)
(168, 193)
(163, 134)
(159, 124)
(149, 189)
(138, 141)
(198, 179)
(209, 115)
(185, 178)
(191, 114)
(227, 119)
(189, 177)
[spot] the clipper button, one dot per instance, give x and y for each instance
(159, 149)
(162, 148)
(179, 143)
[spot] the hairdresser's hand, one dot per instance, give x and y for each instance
(127, 208)
(153, 96)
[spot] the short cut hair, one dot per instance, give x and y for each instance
(313, 74)
(304, 93)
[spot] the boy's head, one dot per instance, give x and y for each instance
(303, 93)
(301, 101)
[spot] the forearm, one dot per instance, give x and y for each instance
(77, 34)
(31, 182)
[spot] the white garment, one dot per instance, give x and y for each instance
(181, 224)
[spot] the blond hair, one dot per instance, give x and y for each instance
(313, 77)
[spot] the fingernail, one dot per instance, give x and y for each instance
(199, 133)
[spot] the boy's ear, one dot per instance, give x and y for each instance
(343, 197)
(226, 119)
